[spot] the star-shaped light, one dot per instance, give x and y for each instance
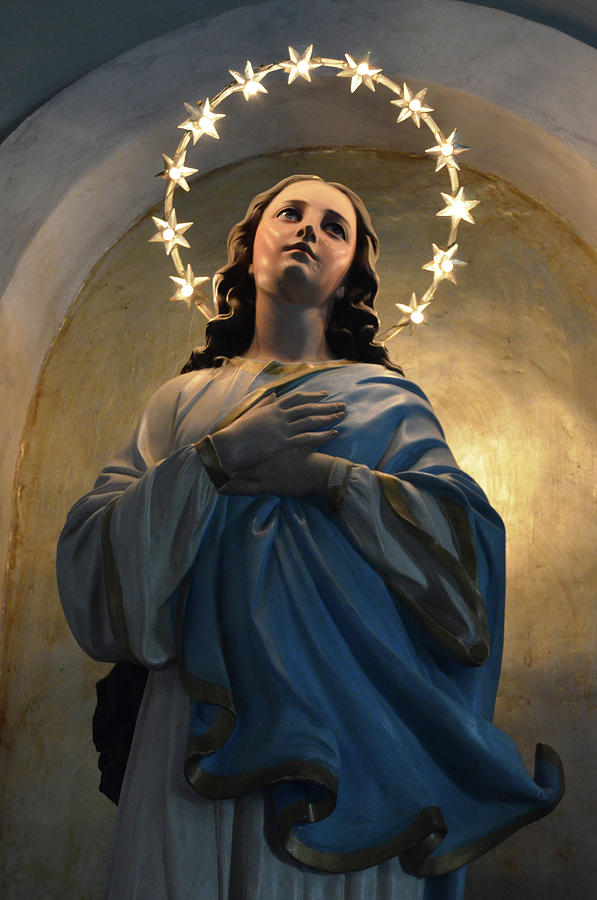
(359, 73)
(458, 208)
(414, 311)
(250, 83)
(176, 170)
(170, 232)
(443, 262)
(201, 121)
(187, 286)
(446, 150)
(300, 65)
(412, 105)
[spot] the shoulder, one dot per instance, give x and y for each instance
(169, 395)
(370, 377)
(160, 412)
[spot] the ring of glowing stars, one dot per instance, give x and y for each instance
(203, 121)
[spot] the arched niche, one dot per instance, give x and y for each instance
(77, 177)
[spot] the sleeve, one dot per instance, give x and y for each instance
(428, 529)
(128, 544)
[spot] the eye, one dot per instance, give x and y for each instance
(336, 229)
(289, 212)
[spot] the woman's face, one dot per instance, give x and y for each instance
(304, 244)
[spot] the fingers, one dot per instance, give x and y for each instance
(308, 411)
(296, 398)
(313, 423)
(312, 439)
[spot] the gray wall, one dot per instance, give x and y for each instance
(45, 45)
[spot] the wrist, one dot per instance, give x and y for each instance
(212, 462)
(319, 470)
(225, 450)
(337, 482)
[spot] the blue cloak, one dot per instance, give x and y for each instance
(356, 688)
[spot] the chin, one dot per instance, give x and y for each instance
(296, 278)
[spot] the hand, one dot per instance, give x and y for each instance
(275, 425)
(295, 473)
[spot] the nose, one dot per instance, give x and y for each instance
(307, 232)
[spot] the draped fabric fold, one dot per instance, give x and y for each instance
(345, 659)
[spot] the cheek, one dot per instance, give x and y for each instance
(263, 247)
(343, 262)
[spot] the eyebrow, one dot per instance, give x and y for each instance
(328, 212)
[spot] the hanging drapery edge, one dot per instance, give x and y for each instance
(477, 652)
(116, 612)
(549, 775)
(414, 845)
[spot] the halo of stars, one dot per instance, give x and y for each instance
(413, 105)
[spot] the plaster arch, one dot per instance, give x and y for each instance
(481, 67)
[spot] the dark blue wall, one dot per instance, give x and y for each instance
(578, 18)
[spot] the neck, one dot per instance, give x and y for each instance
(288, 332)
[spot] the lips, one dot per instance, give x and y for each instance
(302, 247)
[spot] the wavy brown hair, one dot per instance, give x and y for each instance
(353, 322)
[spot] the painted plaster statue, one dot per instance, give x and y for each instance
(289, 548)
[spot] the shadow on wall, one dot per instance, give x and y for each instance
(549, 859)
(71, 39)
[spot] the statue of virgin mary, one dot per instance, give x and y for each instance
(315, 588)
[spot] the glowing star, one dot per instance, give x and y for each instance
(458, 208)
(412, 105)
(300, 65)
(359, 73)
(201, 121)
(250, 84)
(187, 286)
(414, 311)
(170, 232)
(446, 151)
(442, 264)
(176, 170)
